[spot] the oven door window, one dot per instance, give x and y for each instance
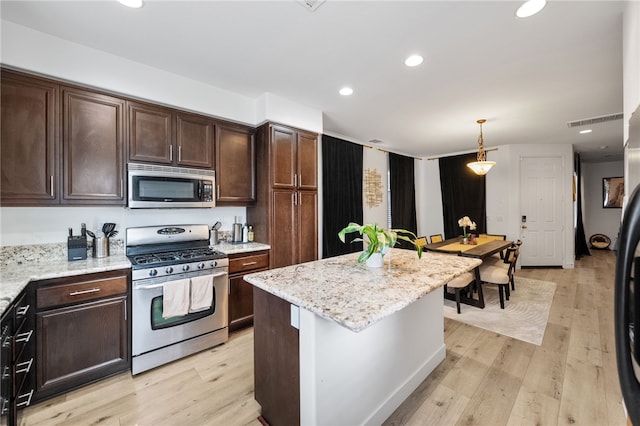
(158, 322)
(153, 188)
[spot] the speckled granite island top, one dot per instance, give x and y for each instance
(356, 296)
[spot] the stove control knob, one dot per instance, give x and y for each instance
(169, 270)
(153, 272)
(185, 268)
(201, 265)
(214, 263)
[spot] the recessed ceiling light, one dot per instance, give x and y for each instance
(131, 3)
(583, 132)
(413, 60)
(346, 91)
(530, 8)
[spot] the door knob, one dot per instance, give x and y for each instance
(524, 226)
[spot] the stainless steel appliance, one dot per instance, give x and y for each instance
(627, 281)
(159, 255)
(153, 186)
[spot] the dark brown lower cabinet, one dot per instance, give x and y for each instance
(276, 360)
(241, 292)
(81, 330)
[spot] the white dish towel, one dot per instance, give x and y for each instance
(175, 298)
(201, 293)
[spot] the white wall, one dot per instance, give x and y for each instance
(374, 159)
(39, 53)
(597, 219)
(40, 225)
(631, 93)
(428, 198)
(630, 61)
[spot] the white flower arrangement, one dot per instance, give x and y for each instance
(465, 222)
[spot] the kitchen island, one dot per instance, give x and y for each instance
(337, 342)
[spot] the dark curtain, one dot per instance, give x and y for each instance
(582, 248)
(403, 195)
(463, 194)
(341, 194)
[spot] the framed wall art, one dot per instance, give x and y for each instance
(612, 192)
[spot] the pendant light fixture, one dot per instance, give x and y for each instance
(481, 166)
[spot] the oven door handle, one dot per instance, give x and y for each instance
(152, 286)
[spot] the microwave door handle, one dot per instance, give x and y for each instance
(200, 190)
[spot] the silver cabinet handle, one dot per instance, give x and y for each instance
(25, 395)
(24, 337)
(79, 292)
(295, 180)
(170, 152)
(22, 310)
(179, 153)
(24, 367)
(218, 190)
(51, 184)
(249, 263)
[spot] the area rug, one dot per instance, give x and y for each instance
(524, 316)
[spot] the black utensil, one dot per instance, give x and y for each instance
(91, 234)
(107, 228)
(112, 234)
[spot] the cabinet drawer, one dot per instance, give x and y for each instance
(79, 292)
(247, 263)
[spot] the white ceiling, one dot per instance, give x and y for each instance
(527, 77)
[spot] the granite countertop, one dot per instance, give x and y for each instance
(230, 248)
(22, 264)
(356, 296)
(15, 277)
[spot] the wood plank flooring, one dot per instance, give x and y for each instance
(486, 378)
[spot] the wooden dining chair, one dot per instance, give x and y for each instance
(460, 283)
(500, 275)
(435, 238)
(420, 241)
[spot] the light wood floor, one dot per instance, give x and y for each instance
(486, 378)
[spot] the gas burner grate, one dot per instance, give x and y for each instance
(168, 257)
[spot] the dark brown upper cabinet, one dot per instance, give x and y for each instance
(235, 165)
(162, 135)
(30, 142)
(150, 133)
(295, 158)
(93, 145)
(194, 140)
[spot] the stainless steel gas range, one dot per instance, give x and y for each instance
(179, 293)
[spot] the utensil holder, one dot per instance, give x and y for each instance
(100, 247)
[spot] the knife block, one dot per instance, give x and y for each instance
(76, 248)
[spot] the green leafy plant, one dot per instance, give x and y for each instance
(378, 239)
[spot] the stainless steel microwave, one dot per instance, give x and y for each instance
(152, 186)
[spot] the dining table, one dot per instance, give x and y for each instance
(483, 247)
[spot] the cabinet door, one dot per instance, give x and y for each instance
(93, 141)
(307, 216)
(235, 166)
(194, 138)
(307, 161)
(240, 302)
(283, 157)
(80, 344)
(150, 133)
(29, 140)
(283, 232)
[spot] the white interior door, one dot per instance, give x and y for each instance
(541, 211)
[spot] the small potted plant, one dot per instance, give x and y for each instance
(465, 222)
(378, 241)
